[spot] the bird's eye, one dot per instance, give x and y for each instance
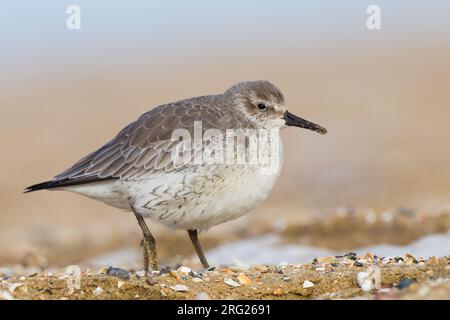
(262, 106)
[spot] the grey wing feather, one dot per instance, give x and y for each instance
(144, 147)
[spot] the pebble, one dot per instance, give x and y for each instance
(118, 273)
(120, 284)
(185, 277)
(98, 291)
(404, 283)
(231, 282)
(179, 288)
(308, 284)
(198, 280)
(164, 270)
(358, 264)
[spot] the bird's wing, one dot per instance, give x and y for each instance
(145, 147)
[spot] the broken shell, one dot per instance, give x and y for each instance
(140, 273)
(202, 296)
(408, 261)
(231, 282)
(369, 280)
(179, 288)
(370, 256)
(243, 279)
(409, 255)
(198, 280)
(184, 270)
(5, 295)
(13, 286)
(227, 271)
(308, 284)
(325, 259)
(120, 284)
(433, 261)
(176, 276)
(278, 292)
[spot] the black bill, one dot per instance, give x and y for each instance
(293, 120)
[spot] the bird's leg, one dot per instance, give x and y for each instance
(148, 243)
(198, 248)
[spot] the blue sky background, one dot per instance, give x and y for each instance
(34, 33)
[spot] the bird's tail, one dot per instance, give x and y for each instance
(42, 186)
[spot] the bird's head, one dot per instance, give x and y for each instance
(264, 103)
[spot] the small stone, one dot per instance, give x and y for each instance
(118, 273)
(286, 279)
(197, 280)
(308, 284)
(185, 277)
(98, 291)
(179, 288)
(404, 283)
(231, 282)
(243, 279)
(120, 284)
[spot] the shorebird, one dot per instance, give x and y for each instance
(137, 169)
